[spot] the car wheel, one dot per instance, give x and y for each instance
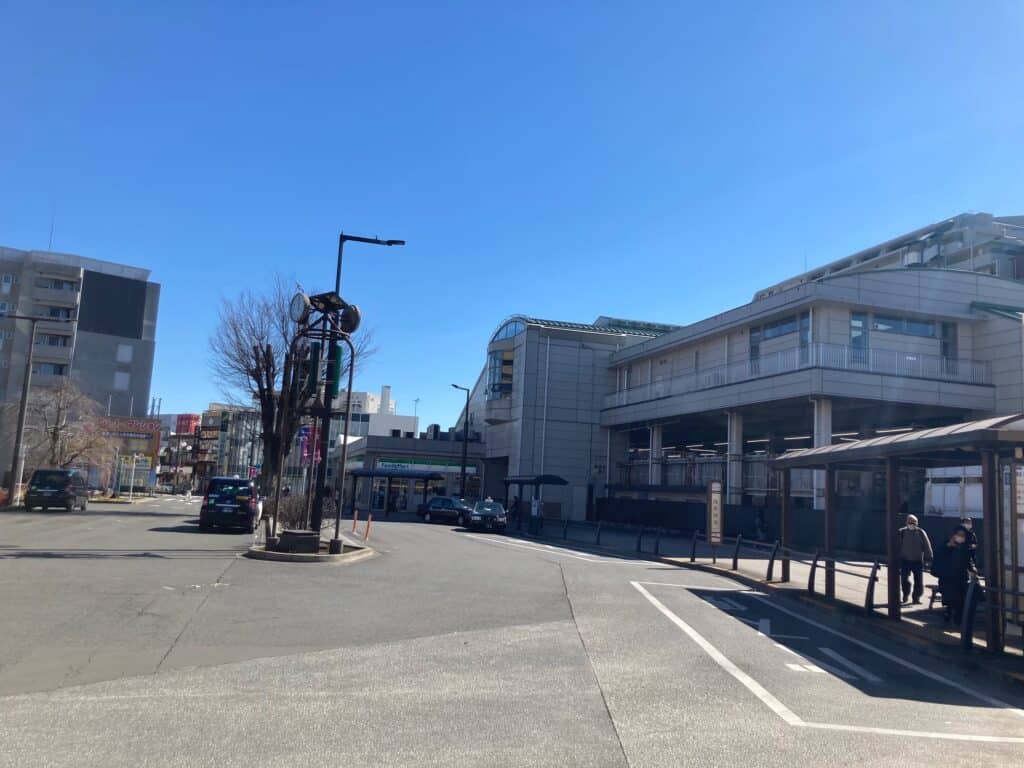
(204, 525)
(460, 520)
(69, 507)
(426, 517)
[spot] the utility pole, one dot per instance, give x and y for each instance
(18, 460)
(465, 442)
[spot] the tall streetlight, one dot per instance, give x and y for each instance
(17, 464)
(465, 442)
(333, 358)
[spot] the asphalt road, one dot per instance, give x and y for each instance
(130, 638)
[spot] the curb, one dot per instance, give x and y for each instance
(847, 613)
(362, 553)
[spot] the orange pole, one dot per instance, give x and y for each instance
(366, 532)
(355, 518)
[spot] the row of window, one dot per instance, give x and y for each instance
(793, 324)
(50, 369)
(56, 284)
(499, 373)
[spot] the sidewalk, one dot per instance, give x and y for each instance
(921, 626)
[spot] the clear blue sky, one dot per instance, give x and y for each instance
(643, 160)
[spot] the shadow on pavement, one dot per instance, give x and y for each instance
(109, 554)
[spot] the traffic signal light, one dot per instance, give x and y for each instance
(348, 318)
(333, 370)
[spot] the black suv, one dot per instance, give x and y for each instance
(57, 488)
(230, 502)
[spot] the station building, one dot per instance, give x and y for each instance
(922, 330)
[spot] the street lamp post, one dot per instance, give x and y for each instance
(465, 442)
(332, 374)
(17, 462)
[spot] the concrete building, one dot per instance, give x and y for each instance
(107, 347)
(923, 329)
(538, 402)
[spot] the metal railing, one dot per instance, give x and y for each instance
(816, 355)
(979, 595)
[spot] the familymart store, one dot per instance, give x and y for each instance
(388, 457)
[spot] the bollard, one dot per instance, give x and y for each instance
(565, 529)
(869, 595)
(657, 542)
(693, 547)
(736, 552)
(366, 531)
(967, 619)
(640, 539)
(355, 518)
(771, 562)
(814, 568)
(598, 532)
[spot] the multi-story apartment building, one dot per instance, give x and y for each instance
(98, 327)
(923, 329)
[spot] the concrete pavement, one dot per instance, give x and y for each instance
(449, 648)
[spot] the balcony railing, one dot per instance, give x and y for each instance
(817, 355)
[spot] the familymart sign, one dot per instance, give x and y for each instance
(426, 465)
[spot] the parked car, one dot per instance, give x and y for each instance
(231, 502)
(445, 509)
(488, 516)
(57, 489)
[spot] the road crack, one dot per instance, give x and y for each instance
(195, 613)
(593, 670)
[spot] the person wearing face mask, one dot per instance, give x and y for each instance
(915, 552)
(972, 540)
(953, 566)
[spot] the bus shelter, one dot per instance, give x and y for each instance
(389, 475)
(996, 444)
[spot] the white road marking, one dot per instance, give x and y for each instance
(541, 549)
(795, 667)
(821, 666)
(742, 590)
(903, 662)
(791, 718)
(814, 668)
(857, 669)
(764, 627)
(787, 649)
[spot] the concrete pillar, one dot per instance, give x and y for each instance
(822, 436)
(618, 452)
(734, 466)
(654, 455)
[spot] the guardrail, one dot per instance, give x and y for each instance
(840, 357)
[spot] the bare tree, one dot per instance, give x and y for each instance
(63, 428)
(253, 359)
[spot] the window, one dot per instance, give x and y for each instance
(509, 329)
(5, 283)
(499, 374)
(52, 340)
(3, 306)
(122, 381)
(50, 369)
(56, 284)
(859, 336)
(755, 343)
(58, 313)
(124, 353)
(904, 325)
(950, 348)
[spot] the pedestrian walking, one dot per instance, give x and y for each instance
(915, 552)
(953, 566)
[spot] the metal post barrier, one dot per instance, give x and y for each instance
(565, 529)
(736, 552)
(814, 570)
(598, 540)
(366, 531)
(869, 596)
(967, 620)
(693, 546)
(355, 518)
(640, 539)
(771, 562)
(830, 577)
(657, 542)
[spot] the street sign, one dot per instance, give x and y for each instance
(715, 513)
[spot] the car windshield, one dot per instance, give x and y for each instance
(50, 480)
(489, 507)
(229, 489)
